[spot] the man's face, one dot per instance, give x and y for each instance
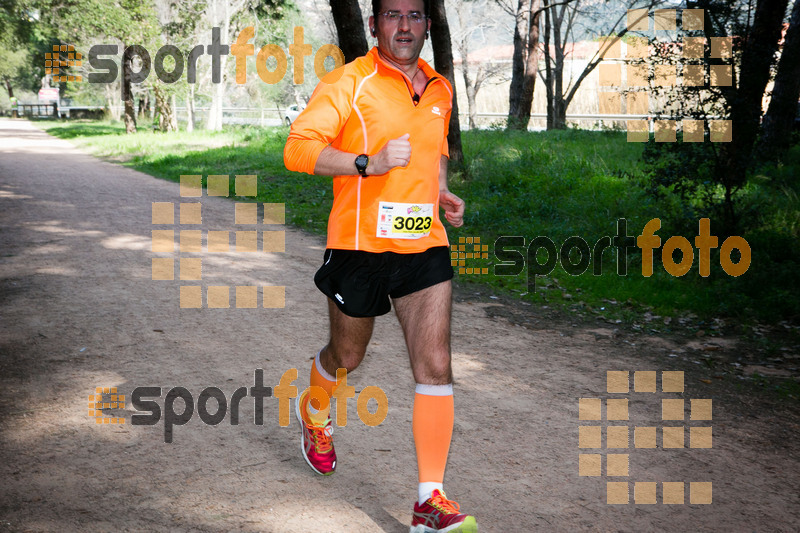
(401, 40)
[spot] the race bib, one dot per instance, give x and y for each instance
(404, 221)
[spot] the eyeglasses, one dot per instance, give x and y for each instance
(395, 17)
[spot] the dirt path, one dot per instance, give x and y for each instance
(78, 309)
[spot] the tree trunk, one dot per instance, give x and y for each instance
(143, 105)
(173, 113)
(779, 120)
(10, 96)
(463, 51)
(531, 64)
(473, 113)
(127, 93)
(214, 119)
(559, 105)
(757, 58)
(218, 93)
(548, 65)
(111, 91)
(165, 109)
(518, 68)
(470, 92)
(299, 99)
(190, 107)
(350, 28)
(443, 63)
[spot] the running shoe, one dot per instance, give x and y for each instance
(316, 443)
(440, 515)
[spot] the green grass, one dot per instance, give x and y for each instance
(555, 184)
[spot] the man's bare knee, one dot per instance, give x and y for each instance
(435, 369)
(427, 378)
(348, 342)
(335, 357)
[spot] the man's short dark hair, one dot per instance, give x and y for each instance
(376, 8)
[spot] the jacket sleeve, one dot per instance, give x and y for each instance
(320, 122)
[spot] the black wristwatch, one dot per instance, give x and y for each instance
(361, 164)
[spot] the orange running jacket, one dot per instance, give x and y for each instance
(369, 104)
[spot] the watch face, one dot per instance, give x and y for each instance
(361, 162)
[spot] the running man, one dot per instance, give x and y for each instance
(379, 126)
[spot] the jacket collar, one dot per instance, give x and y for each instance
(421, 63)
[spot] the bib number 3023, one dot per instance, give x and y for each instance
(404, 221)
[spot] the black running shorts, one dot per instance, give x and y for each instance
(361, 283)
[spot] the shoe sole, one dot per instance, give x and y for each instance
(303, 440)
(469, 525)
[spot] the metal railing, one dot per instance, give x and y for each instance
(273, 116)
(38, 110)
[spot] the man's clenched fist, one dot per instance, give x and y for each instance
(395, 153)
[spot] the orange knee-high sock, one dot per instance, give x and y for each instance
(320, 378)
(432, 424)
